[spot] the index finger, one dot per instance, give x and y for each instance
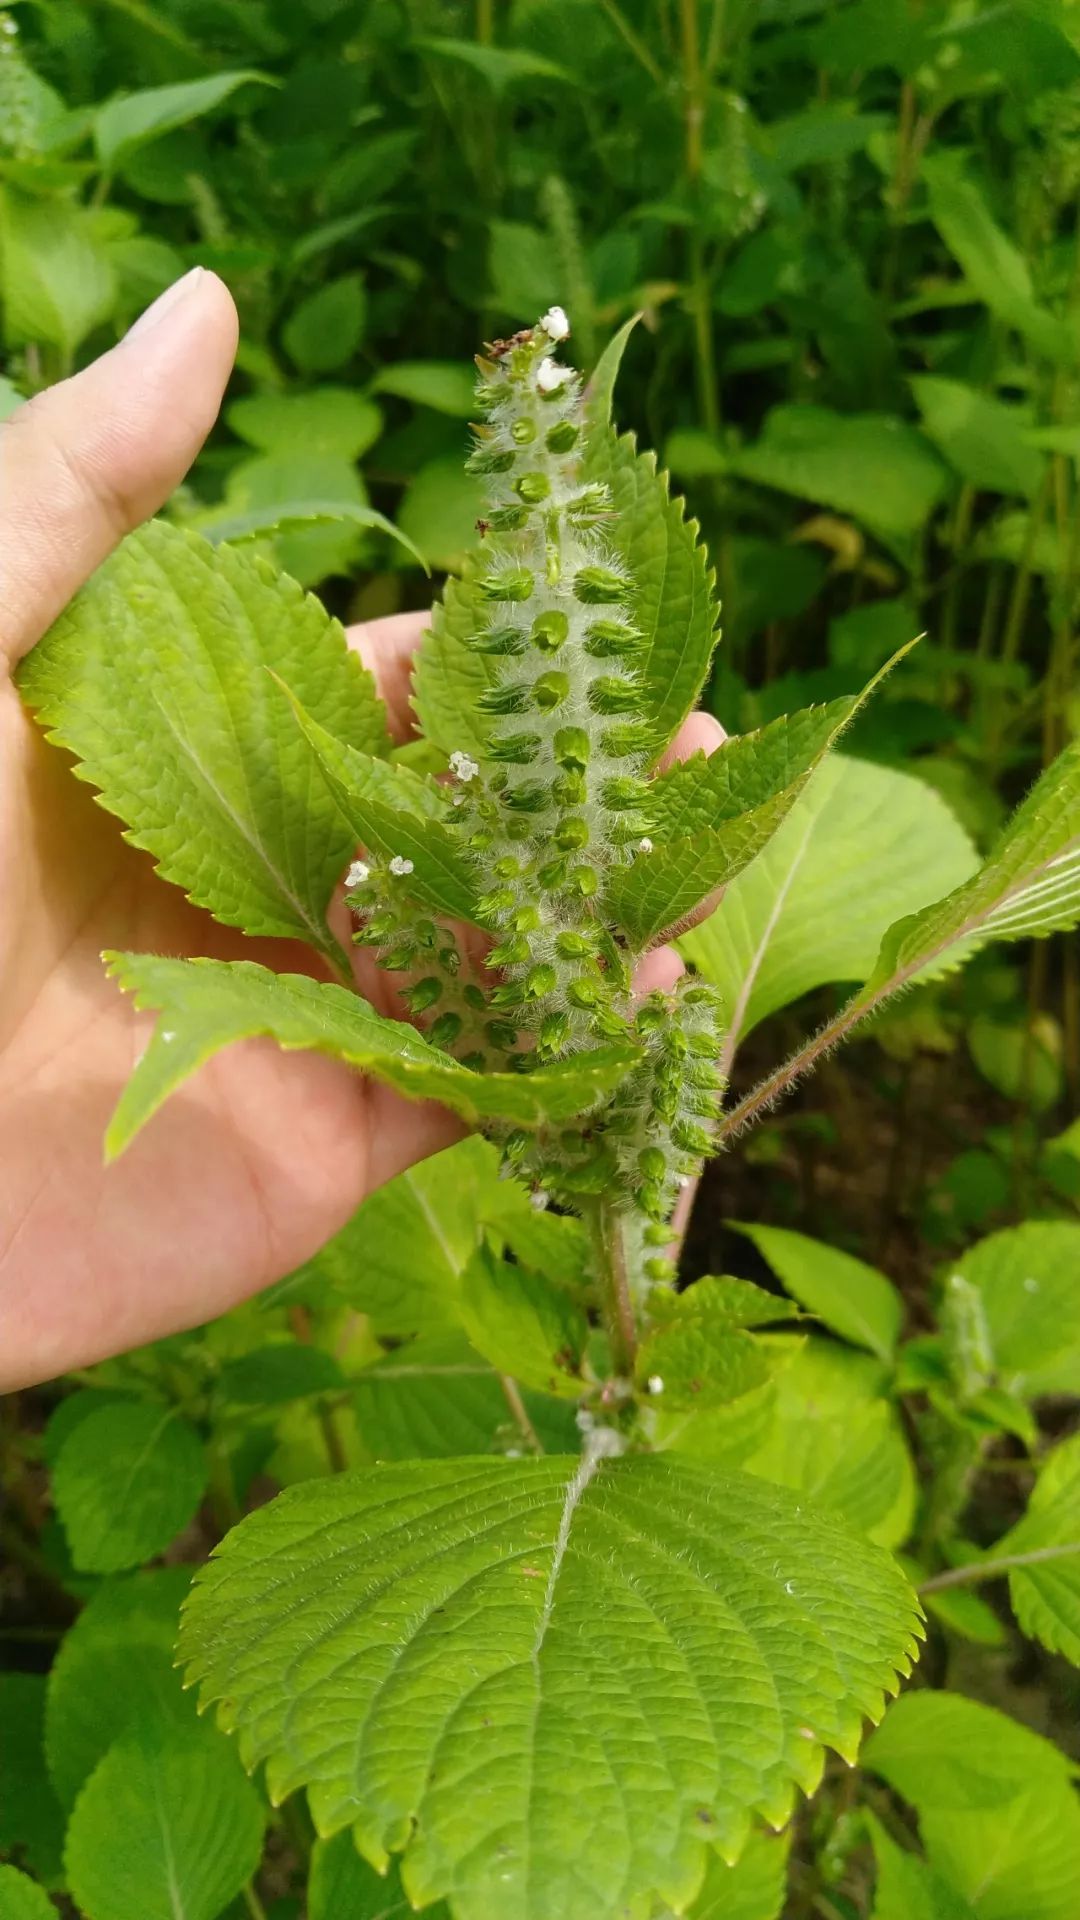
(386, 648)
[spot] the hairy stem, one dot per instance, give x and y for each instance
(513, 1398)
(616, 1302)
(977, 1570)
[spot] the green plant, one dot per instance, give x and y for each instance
(561, 1684)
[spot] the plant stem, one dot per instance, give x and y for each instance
(978, 1570)
(616, 1302)
(512, 1394)
(694, 84)
(485, 22)
(636, 44)
(253, 1903)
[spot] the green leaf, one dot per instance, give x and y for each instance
(1026, 1277)
(56, 284)
(439, 511)
(819, 134)
(853, 1299)
(21, 1898)
(674, 603)
(995, 268)
(997, 1811)
(125, 1483)
(325, 330)
(155, 678)
(393, 811)
(1046, 1594)
(444, 385)
(10, 398)
(712, 816)
(813, 906)
(699, 1356)
(124, 124)
(600, 388)
(983, 438)
(1028, 888)
(753, 1889)
(871, 465)
(269, 522)
(342, 1886)
(276, 1374)
(501, 67)
(334, 420)
(523, 1324)
(31, 1817)
(729, 1635)
(166, 1828)
(207, 1004)
(907, 1889)
(114, 1663)
(437, 1398)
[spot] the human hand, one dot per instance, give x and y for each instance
(264, 1154)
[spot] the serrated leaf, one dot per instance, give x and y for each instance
(674, 603)
(449, 677)
(126, 1481)
(125, 124)
(600, 387)
(998, 1814)
(394, 811)
(723, 1301)
(523, 1324)
(436, 1398)
(21, 1898)
(524, 1765)
(699, 1355)
(1026, 1277)
(155, 678)
(713, 815)
(166, 1828)
(31, 1817)
(753, 1889)
(342, 1886)
(813, 906)
(207, 1004)
(114, 1663)
(1046, 1593)
(1028, 888)
(853, 1299)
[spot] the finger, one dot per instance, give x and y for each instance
(658, 972)
(699, 733)
(387, 648)
(88, 460)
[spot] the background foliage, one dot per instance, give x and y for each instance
(852, 229)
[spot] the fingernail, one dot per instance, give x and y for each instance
(161, 306)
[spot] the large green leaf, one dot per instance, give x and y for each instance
(907, 1888)
(552, 1682)
(523, 1324)
(813, 906)
(853, 1299)
(166, 1828)
(1046, 1592)
(998, 1814)
(56, 282)
(207, 1004)
(994, 266)
(21, 1898)
(871, 465)
(126, 1480)
(1026, 1277)
(437, 1398)
(342, 1886)
(156, 679)
(753, 1889)
(333, 420)
(124, 124)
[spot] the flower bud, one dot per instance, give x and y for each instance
(585, 993)
(510, 583)
(561, 437)
(614, 694)
(445, 1030)
(532, 488)
(571, 833)
(507, 519)
(550, 690)
(600, 586)
(510, 953)
(515, 749)
(652, 1163)
(552, 875)
(612, 639)
(498, 640)
(571, 747)
(549, 630)
(423, 994)
(554, 1032)
(584, 881)
(540, 981)
(523, 431)
(510, 697)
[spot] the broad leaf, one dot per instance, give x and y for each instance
(444, 385)
(324, 331)
(21, 1898)
(207, 1004)
(981, 437)
(600, 387)
(270, 522)
(853, 1299)
(523, 1324)
(393, 811)
(56, 282)
(125, 1483)
(31, 1817)
(712, 816)
(334, 420)
(342, 1886)
(437, 1398)
(124, 124)
(274, 1374)
(449, 677)
(1027, 1280)
(998, 1814)
(1046, 1593)
(753, 1889)
(501, 67)
(526, 1765)
(813, 906)
(166, 1828)
(699, 1355)
(156, 679)
(907, 1888)
(871, 465)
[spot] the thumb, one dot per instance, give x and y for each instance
(88, 460)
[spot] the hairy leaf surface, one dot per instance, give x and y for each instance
(155, 678)
(207, 1004)
(553, 1682)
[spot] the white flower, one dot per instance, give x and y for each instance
(463, 768)
(359, 873)
(549, 377)
(400, 866)
(459, 800)
(682, 1181)
(644, 845)
(555, 323)
(656, 1384)
(539, 1200)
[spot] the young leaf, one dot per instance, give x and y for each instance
(21, 1898)
(674, 602)
(342, 1886)
(437, 1398)
(1046, 1592)
(125, 124)
(729, 1636)
(1026, 1279)
(333, 420)
(444, 385)
(167, 1826)
(853, 1300)
(394, 811)
(126, 1481)
(155, 678)
(271, 1376)
(523, 1324)
(860, 844)
(981, 437)
(600, 389)
(694, 1361)
(207, 1004)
